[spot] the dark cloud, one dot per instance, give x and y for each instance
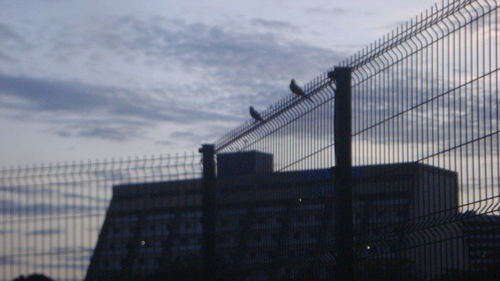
(5, 260)
(274, 24)
(106, 127)
(44, 232)
(73, 258)
(4, 57)
(10, 207)
(11, 40)
(47, 95)
(193, 137)
(327, 11)
(183, 134)
(164, 142)
(6, 231)
(102, 112)
(62, 194)
(26, 189)
(106, 132)
(231, 68)
(8, 34)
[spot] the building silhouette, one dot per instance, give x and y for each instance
(482, 235)
(278, 225)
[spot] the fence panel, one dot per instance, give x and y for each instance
(425, 149)
(91, 219)
(427, 94)
(425, 182)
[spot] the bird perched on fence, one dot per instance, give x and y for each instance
(255, 115)
(297, 90)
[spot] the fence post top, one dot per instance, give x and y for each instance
(207, 148)
(339, 72)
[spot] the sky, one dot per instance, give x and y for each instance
(84, 80)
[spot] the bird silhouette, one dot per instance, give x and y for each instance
(297, 90)
(255, 115)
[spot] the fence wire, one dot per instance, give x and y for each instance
(52, 215)
(426, 193)
(428, 95)
(425, 150)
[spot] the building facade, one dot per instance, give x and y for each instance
(482, 235)
(279, 226)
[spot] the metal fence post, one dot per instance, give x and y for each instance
(209, 213)
(343, 174)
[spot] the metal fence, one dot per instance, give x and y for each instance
(386, 168)
(425, 146)
(52, 215)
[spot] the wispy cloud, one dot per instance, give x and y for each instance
(6, 232)
(5, 260)
(91, 111)
(274, 24)
(233, 56)
(44, 232)
(327, 11)
(236, 67)
(10, 207)
(225, 69)
(10, 40)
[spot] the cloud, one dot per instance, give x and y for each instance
(222, 70)
(26, 190)
(274, 24)
(325, 11)
(11, 40)
(111, 132)
(164, 142)
(5, 260)
(10, 207)
(6, 232)
(234, 63)
(44, 232)
(47, 95)
(8, 34)
(101, 112)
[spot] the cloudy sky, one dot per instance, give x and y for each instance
(100, 79)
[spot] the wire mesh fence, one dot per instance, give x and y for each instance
(53, 215)
(423, 203)
(431, 99)
(425, 151)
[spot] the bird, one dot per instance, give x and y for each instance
(297, 90)
(255, 115)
